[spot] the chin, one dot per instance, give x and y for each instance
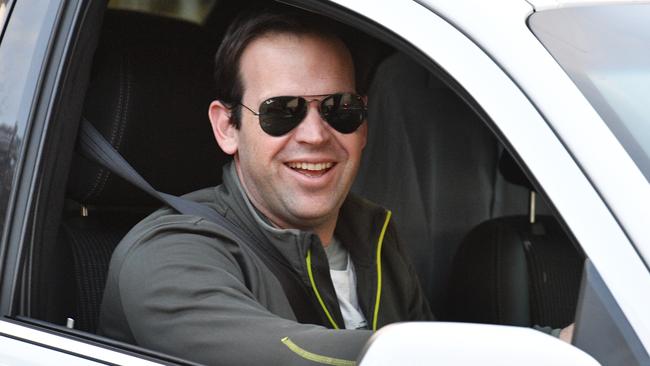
(312, 218)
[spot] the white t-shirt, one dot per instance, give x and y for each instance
(345, 285)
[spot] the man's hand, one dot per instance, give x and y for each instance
(566, 334)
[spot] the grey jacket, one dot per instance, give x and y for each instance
(177, 285)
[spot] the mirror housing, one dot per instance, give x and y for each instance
(441, 344)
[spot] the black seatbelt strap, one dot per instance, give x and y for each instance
(95, 147)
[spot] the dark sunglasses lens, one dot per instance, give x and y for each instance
(344, 112)
(280, 115)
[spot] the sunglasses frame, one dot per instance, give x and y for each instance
(267, 126)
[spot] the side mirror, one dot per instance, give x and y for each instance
(441, 344)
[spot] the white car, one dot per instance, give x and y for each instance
(561, 86)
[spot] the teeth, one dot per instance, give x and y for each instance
(310, 166)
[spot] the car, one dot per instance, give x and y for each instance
(518, 119)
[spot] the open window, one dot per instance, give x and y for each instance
(434, 157)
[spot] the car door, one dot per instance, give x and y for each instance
(535, 109)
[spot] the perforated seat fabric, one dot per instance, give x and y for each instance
(509, 271)
(92, 242)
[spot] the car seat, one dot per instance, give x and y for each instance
(518, 270)
(149, 93)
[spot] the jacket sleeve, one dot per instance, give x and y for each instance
(183, 295)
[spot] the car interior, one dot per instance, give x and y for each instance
(483, 238)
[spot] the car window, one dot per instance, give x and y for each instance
(194, 11)
(18, 50)
(609, 62)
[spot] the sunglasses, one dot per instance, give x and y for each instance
(343, 111)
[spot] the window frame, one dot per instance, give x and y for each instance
(450, 47)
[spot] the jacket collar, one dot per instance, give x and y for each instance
(358, 226)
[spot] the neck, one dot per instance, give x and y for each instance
(326, 235)
(324, 228)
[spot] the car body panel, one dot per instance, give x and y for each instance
(83, 350)
(556, 4)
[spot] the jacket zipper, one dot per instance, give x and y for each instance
(380, 242)
(375, 316)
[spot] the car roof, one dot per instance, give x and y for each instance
(554, 4)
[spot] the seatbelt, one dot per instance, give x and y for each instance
(95, 147)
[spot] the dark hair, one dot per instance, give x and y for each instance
(253, 24)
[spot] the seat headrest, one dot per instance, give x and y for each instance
(150, 88)
(511, 171)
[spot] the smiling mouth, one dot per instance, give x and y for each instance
(311, 169)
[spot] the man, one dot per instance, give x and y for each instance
(289, 113)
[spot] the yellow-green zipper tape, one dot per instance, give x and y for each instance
(316, 357)
(379, 244)
(313, 286)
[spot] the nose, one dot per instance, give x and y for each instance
(313, 129)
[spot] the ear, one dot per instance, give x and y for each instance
(363, 129)
(363, 133)
(224, 132)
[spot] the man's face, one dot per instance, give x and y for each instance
(298, 180)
